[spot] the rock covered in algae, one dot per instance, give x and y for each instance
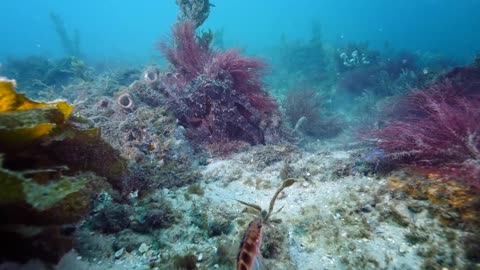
(51, 164)
(23, 120)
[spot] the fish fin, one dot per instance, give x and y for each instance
(254, 206)
(259, 264)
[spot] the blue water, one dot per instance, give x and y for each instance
(126, 31)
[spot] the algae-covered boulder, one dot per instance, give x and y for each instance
(51, 165)
(22, 120)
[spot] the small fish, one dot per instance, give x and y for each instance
(249, 255)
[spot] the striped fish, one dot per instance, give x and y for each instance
(249, 256)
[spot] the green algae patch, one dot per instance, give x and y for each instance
(43, 197)
(12, 189)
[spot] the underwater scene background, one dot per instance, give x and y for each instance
(197, 134)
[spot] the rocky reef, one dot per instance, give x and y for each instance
(165, 166)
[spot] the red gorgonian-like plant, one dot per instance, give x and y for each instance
(438, 127)
(216, 95)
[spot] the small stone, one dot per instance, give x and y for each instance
(143, 248)
(366, 209)
(403, 249)
(200, 257)
(119, 253)
(79, 258)
(417, 206)
(401, 215)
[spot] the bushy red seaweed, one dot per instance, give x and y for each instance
(216, 95)
(244, 73)
(184, 52)
(438, 127)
